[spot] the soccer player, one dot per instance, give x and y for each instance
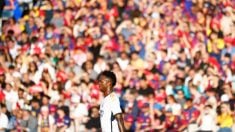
(110, 111)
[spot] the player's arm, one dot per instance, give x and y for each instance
(120, 121)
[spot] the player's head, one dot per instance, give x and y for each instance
(106, 79)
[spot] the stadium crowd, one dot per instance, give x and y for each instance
(174, 61)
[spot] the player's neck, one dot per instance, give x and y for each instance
(107, 92)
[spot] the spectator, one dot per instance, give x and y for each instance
(180, 98)
(159, 123)
(143, 120)
(45, 100)
(62, 121)
(12, 121)
(35, 104)
(136, 62)
(5, 111)
(100, 65)
(79, 112)
(9, 94)
(172, 122)
(129, 123)
(123, 61)
(29, 122)
(8, 9)
(211, 98)
(18, 123)
(172, 104)
(4, 121)
(144, 89)
(131, 105)
(45, 120)
(190, 115)
(225, 119)
(93, 123)
(207, 119)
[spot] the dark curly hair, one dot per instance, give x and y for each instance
(110, 75)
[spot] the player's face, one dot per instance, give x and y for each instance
(103, 83)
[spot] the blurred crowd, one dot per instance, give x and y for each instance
(174, 61)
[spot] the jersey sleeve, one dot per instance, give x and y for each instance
(115, 105)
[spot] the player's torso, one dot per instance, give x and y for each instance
(107, 124)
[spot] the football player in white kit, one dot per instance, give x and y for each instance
(110, 112)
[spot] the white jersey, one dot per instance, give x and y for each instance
(110, 105)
